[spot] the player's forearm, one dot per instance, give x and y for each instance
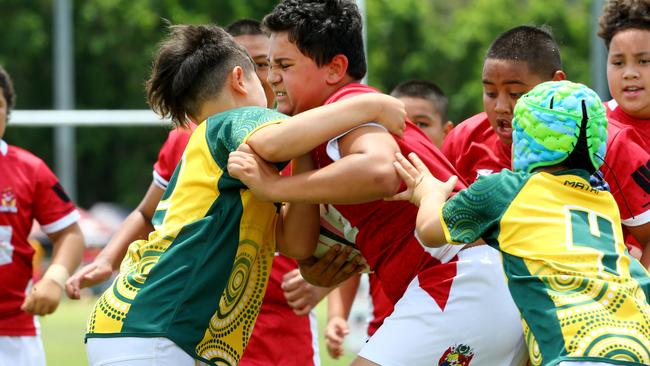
(305, 131)
(299, 233)
(339, 301)
(135, 227)
(428, 224)
(301, 221)
(356, 178)
(68, 247)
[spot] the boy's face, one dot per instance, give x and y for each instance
(504, 81)
(3, 113)
(257, 47)
(423, 114)
(256, 93)
(628, 71)
(299, 84)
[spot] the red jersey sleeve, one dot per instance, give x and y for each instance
(628, 173)
(53, 209)
(169, 155)
(450, 146)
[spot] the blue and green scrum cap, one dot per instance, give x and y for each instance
(549, 119)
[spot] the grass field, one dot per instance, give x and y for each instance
(63, 335)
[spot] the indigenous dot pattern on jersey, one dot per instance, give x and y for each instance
(547, 122)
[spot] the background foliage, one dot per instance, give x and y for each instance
(114, 40)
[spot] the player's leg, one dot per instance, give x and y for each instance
(478, 321)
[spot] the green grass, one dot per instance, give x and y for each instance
(63, 332)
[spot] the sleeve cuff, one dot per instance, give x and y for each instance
(332, 148)
(61, 223)
(160, 181)
(637, 220)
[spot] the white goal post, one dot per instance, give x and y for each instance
(86, 118)
(67, 120)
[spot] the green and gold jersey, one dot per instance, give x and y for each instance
(200, 277)
(580, 294)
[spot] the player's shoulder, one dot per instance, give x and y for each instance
(250, 115)
(23, 158)
(477, 125)
(504, 181)
(350, 90)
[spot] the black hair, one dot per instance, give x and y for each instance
(244, 27)
(322, 29)
(620, 15)
(426, 90)
(533, 45)
(7, 89)
(191, 67)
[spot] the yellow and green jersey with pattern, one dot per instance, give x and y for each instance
(200, 277)
(580, 294)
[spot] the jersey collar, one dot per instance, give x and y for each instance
(3, 147)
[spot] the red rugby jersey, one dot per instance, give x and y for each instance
(474, 149)
(277, 328)
(28, 191)
(632, 167)
(384, 230)
(382, 307)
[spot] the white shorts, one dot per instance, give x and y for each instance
(21, 350)
(134, 351)
(572, 363)
(479, 320)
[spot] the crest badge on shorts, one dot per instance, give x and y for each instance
(457, 355)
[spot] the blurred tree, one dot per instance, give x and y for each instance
(443, 41)
(114, 43)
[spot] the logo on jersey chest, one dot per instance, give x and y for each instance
(8, 201)
(457, 355)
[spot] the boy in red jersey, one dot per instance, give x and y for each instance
(517, 61)
(30, 191)
(276, 315)
(426, 107)
(317, 58)
(625, 28)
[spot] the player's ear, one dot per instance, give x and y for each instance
(558, 76)
(447, 127)
(238, 80)
(336, 69)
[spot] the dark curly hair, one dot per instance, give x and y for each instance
(190, 67)
(322, 29)
(620, 15)
(7, 89)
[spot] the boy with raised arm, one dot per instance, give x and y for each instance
(192, 290)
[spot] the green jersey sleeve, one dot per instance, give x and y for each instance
(475, 212)
(227, 130)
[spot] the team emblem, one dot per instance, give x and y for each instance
(8, 201)
(457, 355)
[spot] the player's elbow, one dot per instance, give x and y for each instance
(268, 149)
(385, 179)
(429, 237)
